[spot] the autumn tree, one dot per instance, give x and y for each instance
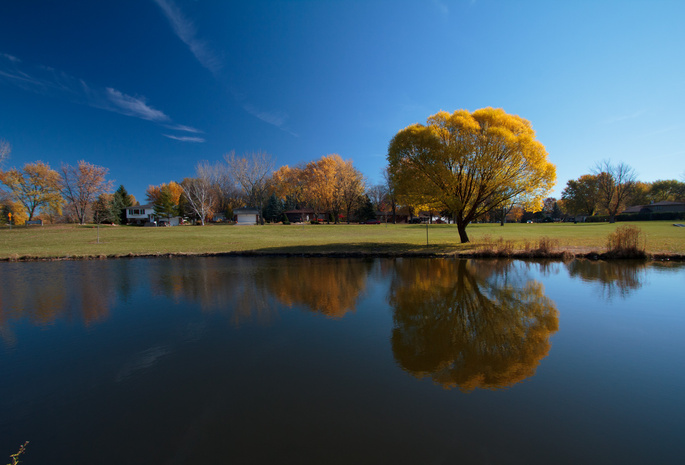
(667, 190)
(470, 163)
(34, 186)
(81, 185)
(614, 183)
(350, 187)
(581, 196)
(290, 184)
(469, 324)
(165, 199)
(320, 183)
(17, 211)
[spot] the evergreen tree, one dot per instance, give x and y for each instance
(165, 206)
(120, 202)
(105, 209)
(273, 210)
(366, 211)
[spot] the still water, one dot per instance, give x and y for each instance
(350, 361)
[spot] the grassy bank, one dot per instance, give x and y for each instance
(71, 241)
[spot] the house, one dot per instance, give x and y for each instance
(246, 215)
(657, 207)
(300, 216)
(140, 214)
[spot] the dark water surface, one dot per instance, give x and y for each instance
(326, 361)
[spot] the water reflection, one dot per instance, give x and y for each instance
(617, 278)
(42, 293)
(330, 287)
(469, 324)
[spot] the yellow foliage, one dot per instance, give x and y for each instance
(470, 163)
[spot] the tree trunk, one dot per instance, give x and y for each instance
(461, 227)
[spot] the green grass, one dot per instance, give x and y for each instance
(81, 241)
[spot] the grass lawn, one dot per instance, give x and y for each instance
(53, 241)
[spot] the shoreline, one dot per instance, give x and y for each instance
(562, 255)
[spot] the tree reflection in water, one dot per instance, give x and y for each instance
(469, 323)
(615, 277)
(328, 286)
(42, 293)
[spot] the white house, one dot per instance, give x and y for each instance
(246, 215)
(140, 214)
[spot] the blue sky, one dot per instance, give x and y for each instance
(147, 88)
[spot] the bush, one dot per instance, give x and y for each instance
(627, 242)
(285, 219)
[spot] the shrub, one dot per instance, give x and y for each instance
(285, 219)
(627, 241)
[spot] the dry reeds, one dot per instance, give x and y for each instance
(627, 242)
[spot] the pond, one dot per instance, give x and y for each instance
(316, 360)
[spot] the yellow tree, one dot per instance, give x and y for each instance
(470, 163)
(290, 184)
(165, 198)
(36, 185)
(349, 187)
(320, 188)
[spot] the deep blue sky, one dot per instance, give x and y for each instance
(148, 88)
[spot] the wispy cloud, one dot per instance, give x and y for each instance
(49, 81)
(185, 30)
(185, 138)
(181, 127)
(10, 57)
(277, 118)
(618, 119)
(134, 106)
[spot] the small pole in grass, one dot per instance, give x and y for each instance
(426, 234)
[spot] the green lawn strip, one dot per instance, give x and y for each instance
(61, 241)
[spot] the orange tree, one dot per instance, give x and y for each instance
(470, 163)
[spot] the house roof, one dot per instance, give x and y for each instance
(246, 211)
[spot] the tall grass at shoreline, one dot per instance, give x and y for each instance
(73, 241)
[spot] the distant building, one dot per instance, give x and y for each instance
(245, 216)
(140, 214)
(657, 207)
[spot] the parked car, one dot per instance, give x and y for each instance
(370, 222)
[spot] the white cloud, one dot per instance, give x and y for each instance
(185, 30)
(49, 81)
(10, 57)
(182, 127)
(185, 138)
(133, 106)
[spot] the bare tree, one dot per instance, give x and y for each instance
(200, 192)
(615, 183)
(5, 150)
(390, 194)
(252, 172)
(82, 185)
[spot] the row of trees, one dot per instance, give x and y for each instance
(329, 186)
(611, 188)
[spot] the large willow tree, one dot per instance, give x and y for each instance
(470, 163)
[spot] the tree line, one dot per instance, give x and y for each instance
(330, 187)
